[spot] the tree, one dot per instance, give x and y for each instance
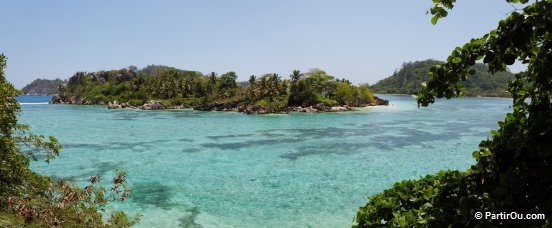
(30, 199)
(211, 83)
(274, 86)
(322, 83)
(301, 94)
(252, 87)
(227, 84)
(15, 171)
(295, 76)
(513, 168)
(179, 88)
(345, 93)
(364, 95)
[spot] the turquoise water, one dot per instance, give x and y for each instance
(24, 100)
(222, 169)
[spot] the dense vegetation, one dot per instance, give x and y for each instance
(178, 88)
(409, 79)
(43, 87)
(513, 168)
(28, 199)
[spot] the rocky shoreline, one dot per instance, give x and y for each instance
(255, 109)
(232, 106)
(150, 105)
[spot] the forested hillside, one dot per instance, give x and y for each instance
(43, 87)
(409, 78)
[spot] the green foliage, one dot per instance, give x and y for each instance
(409, 79)
(182, 102)
(136, 102)
(150, 83)
(17, 145)
(319, 87)
(276, 103)
(345, 93)
(268, 86)
(31, 200)
(43, 87)
(423, 202)
(63, 204)
(227, 85)
(364, 95)
(179, 88)
(301, 94)
(325, 101)
(513, 168)
(321, 82)
(353, 95)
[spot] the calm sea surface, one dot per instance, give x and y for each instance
(222, 169)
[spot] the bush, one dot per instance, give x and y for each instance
(326, 101)
(277, 103)
(183, 102)
(173, 102)
(192, 101)
(96, 99)
(438, 200)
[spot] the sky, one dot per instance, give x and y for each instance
(363, 41)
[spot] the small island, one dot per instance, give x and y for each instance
(161, 87)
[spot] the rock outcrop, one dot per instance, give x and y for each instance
(114, 105)
(257, 109)
(380, 101)
(150, 105)
(153, 105)
(57, 99)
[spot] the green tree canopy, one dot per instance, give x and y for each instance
(177, 88)
(513, 168)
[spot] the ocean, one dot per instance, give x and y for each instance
(223, 169)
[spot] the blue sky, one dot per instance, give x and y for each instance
(360, 40)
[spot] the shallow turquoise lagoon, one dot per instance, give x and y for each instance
(221, 169)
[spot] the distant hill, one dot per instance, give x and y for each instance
(43, 87)
(159, 70)
(409, 78)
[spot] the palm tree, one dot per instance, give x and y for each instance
(251, 89)
(296, 75)
(274, 81)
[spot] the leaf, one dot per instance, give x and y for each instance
(434, 20)
(509, 59)
(457, 60)
(475, 155)
(489, 57)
